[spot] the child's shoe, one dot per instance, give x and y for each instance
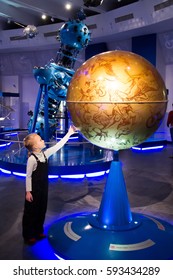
(30, 241)
(41, 236)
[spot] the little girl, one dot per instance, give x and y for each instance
(37, 185)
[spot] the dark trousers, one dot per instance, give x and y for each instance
(35, 211)
(34, 214)
(171, 132)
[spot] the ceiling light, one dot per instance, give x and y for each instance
(43, 16)
(68, 6)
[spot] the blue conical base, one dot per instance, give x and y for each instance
(115, 209)
(114, 212)
(112, 233)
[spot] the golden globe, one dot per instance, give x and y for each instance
(117, 99)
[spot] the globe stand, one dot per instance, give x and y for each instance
(113, 232)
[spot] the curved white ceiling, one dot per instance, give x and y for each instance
(139, 18)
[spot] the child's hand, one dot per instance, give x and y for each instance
(29, 196)
(72, 129)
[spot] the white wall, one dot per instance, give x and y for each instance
(29, 88)
(10, 83)
(169, 85)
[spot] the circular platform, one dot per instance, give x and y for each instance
(77, 157)
(74, 238)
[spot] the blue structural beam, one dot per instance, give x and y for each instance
(36, 111)
(46, 118)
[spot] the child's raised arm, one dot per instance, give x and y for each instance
(61, 143)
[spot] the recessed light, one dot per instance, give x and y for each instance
(68, 6)
(43, 16)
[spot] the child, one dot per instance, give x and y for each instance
(37, 185)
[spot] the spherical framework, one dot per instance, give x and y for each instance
(30, 31)
(74, 34)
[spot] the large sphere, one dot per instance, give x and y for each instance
(117, 99)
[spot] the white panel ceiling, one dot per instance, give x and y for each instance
(17, 13)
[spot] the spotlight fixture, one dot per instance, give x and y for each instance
(68, 6)
(43, 16)
(92, 3)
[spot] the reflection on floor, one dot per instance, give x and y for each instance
(149, 181)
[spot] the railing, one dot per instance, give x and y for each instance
(74, 152)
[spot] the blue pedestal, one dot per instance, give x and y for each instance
(112, 233)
